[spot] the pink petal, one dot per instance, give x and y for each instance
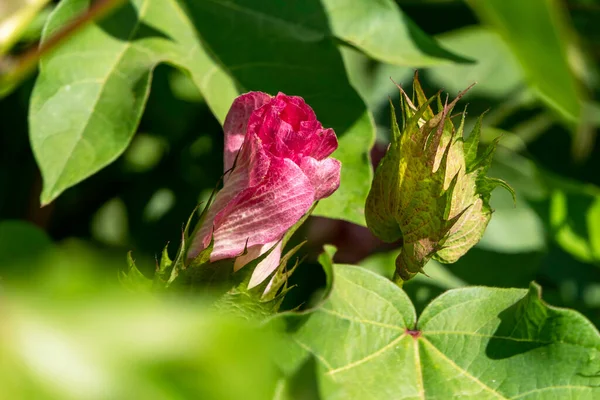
(324, 175)
(325, 144)
(252, 165)
(236, 123)
(288, 128)
(266, 266)
(296, 110)
(263, 213)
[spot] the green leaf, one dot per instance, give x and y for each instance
(574, 217)
(262, 46)
(496, 71)
(302, 385)
(130, 347)
(513, 228)
(570, 211)
(471, 343)
(23, 248)
(373, 81)
(91, 91)
(525, 26)
(381, 30)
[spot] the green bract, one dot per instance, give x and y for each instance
(430, 190)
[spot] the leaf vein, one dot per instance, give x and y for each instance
(360, 320)
(419, 371)
(463, 333)
(385, 300)
(311, 351)
(367, 358)
(262, 16)
(117, 60)
(463, 371)
(551, 388)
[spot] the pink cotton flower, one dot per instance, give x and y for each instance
(282, 168)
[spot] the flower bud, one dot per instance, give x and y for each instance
(430, 191)
(277, 165)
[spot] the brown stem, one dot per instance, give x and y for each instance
(17, 68)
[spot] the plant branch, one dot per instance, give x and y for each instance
(14, 69)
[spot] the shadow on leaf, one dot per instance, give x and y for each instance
(125, 25)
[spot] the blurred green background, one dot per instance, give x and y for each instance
(536, 67)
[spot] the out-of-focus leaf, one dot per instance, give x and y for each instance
(184, 88)
(144, 153)
(538, 34)
(116, 346)
(515, 227)
(472, 343)
(161, 202)
(263, 47)
(576, 284)
(33, 32)
(15, 17)
(22, 246)
(569, 210)
(91, 92)
(575, 217)
(109, 224)
(496, 70)
(380, 29)
(374, 81)
(302, 385)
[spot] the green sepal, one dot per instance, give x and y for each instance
(163, 268)
(182, 262)
(270, 288)
(133, 279)
(264, 299)
(484, 161)
(488, 184)
(237, 298)
(471, 144)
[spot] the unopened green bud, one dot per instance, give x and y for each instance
(430, 190)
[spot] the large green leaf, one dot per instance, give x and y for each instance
(381, 30)
(262, 47)
(538, 34)
(91, 92)
(471, 343)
